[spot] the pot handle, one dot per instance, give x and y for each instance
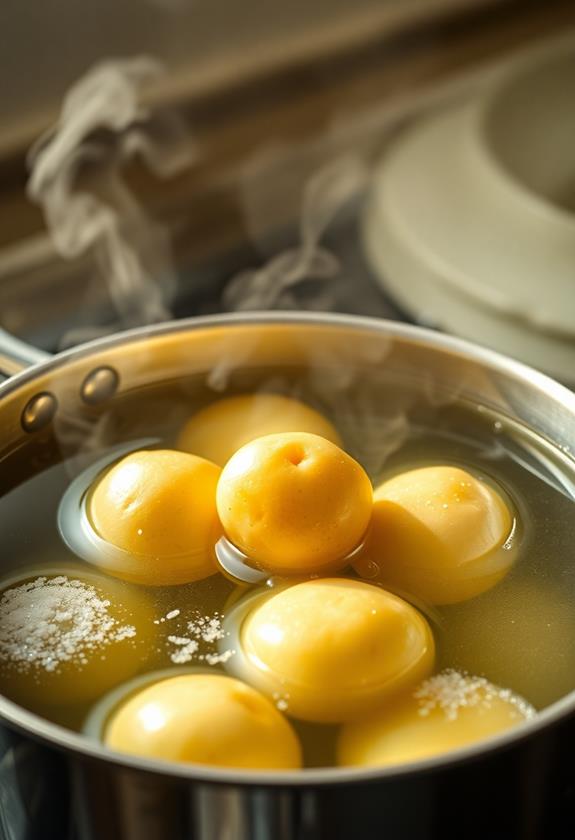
(16, 355)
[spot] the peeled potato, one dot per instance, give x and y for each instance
(438, 533)
(220, 429)
(294, 503)
(448, 711)
(204, 719)
(159, 508)
(333, 648)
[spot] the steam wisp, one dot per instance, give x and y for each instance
(103, 124)
(325, 194)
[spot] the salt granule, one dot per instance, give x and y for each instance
(452, 690)
(168, 617)
(49, 621)
(186, 648)
(217, 658)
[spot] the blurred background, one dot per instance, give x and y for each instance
(411, 159)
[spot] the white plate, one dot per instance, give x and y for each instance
(471, 220)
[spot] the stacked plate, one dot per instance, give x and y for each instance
(471, 221)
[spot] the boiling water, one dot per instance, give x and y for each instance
(520, 634)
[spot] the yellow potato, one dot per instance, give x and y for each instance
(438, 533)
(294, 503)
(332, 649)
(159, 508)
(68, 638)
(204, 719)
(448, 711)
(223, 427)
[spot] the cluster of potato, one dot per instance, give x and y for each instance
(338, 640)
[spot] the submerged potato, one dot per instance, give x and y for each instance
(438, 533)
(220, 429)
(448, 711)
(204, 719)
(332, 649)
(68, 638)
(159, 508)
(294, 503)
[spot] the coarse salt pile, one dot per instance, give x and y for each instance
(50, 621)
(203, 628)
(452, 690)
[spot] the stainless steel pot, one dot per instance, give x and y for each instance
(54, 784)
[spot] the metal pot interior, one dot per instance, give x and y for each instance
(374, 379)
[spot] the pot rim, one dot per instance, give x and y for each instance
(68, 741)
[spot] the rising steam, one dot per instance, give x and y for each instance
(103, 124)
(329, 190)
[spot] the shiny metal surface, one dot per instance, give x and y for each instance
(28, 807)
(99, 385)
(520, 773)
(39, 412)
